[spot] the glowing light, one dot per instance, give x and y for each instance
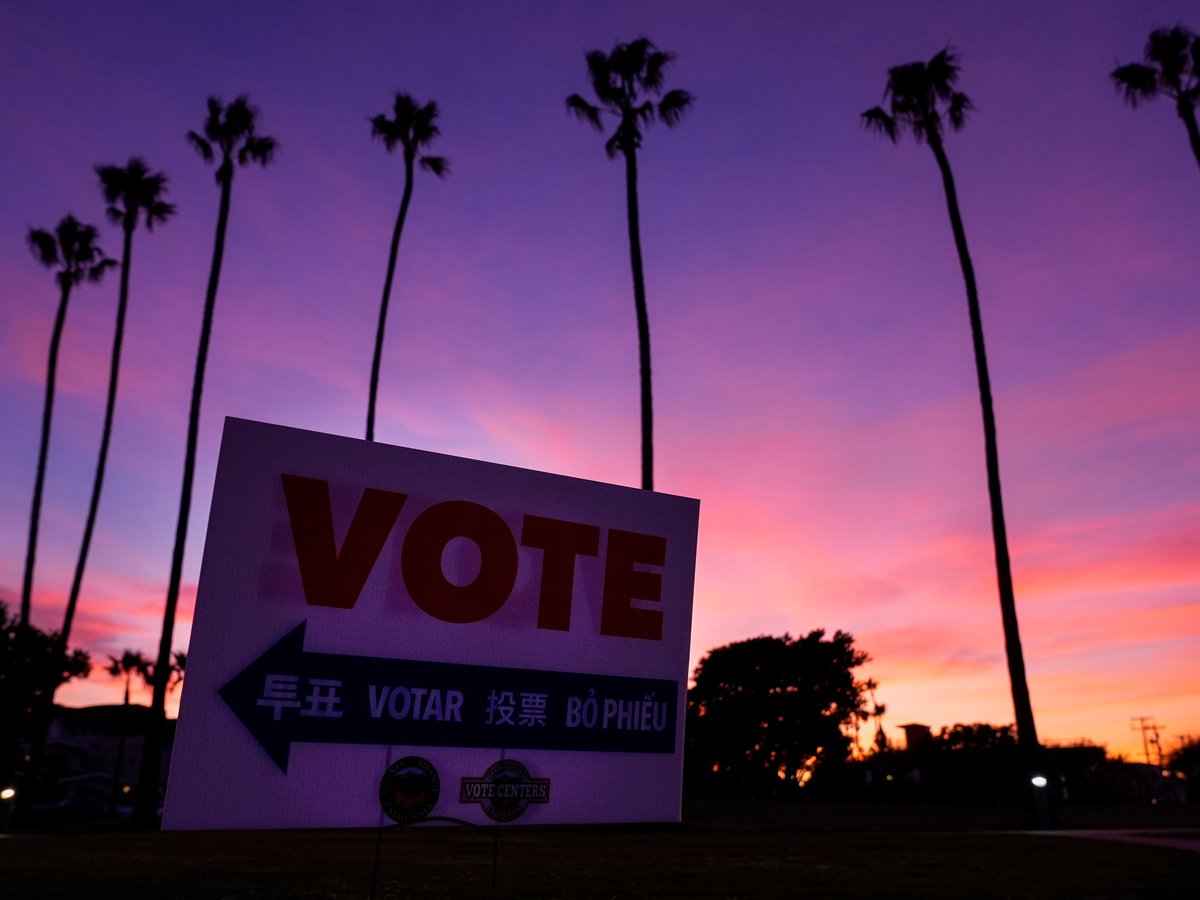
(7, 794)
(1039, 781)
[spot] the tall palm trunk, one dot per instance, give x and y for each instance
(146, 808)
(35, 513)
(409, 160)
(1187, 112)
(643, 319)
(105, 438)
(1027, 737)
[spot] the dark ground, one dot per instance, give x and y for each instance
(722, 849)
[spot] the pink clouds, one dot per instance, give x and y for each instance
(1142, 552)
(1149, 387)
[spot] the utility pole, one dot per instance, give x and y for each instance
(1150, 735)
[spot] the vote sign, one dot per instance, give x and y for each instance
(383, 634)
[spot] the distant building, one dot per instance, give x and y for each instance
(916, 735)
(93, 756)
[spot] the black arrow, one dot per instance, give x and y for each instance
(290, 695)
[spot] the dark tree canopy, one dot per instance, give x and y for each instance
(767, 711)
(230, 134)
(1172, 70)
(977, 736)
(624, 82)
(1186, 760)
(413, 127)
(135, 193)
(72, 250)
(31, 663)
(920, 97)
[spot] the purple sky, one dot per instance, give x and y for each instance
(814, 384)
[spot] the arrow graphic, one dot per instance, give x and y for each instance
(290, 695)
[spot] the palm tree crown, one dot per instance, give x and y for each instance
(128, 664)
(1172, 69)
(229, 131)
(71, 249)
(413, 127)
(624, 81)
(920, 96)
(134, 192)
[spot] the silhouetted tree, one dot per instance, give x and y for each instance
(413, 127)
(1172, 69)
(31, 664)
(976, 764)
(921, 98)
(624, 82)
(134, 194)
(175, 671)
(1186, 759)
(877, 709)
(976, 736)
(230, 140)
(767, 711)
(72, 252)
(126, 666)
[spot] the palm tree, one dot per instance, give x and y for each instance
(1172, 69)
(230, 137)
(134, 194)
(413, 127)
(127, 665)
(72, 251)
(921, 98)
(178, 670)
(624, 81)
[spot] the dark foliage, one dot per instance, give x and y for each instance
(1171, 70)
(1186, 761)
(980, 765)
(767, 712)
(31, 663)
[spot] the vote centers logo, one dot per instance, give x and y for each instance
(505, 790)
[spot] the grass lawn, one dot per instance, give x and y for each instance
(722, 849)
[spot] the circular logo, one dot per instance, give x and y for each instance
(409, 789)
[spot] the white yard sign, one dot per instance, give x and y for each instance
(387, 635)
